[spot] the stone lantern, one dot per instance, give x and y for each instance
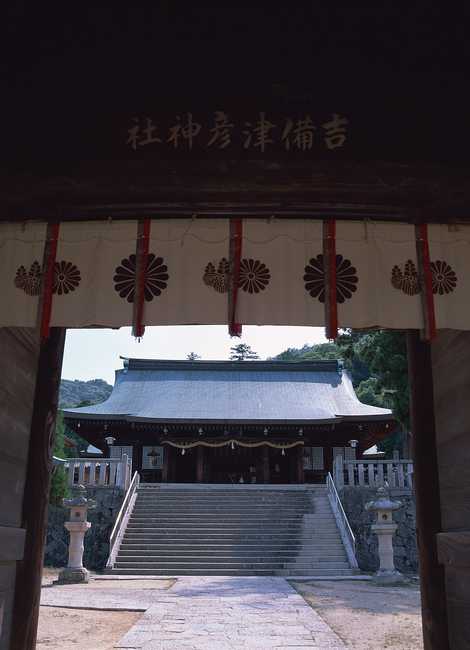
(77, 527)
(385, 528)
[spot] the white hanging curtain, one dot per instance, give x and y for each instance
(281, 278)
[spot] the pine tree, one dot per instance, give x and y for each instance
(241, 352)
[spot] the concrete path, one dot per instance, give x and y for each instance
(230, 613)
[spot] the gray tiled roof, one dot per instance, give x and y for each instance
(224, 391)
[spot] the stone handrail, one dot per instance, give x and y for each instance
(373, 473)
(122, 519)
(347, 535)
(97, 472)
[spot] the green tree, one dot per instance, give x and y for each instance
(319, 351)
(241, 352)
(59, 488)
(383, 354)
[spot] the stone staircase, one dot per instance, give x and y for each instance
(232, 530)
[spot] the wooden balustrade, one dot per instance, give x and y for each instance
(373, 473)
(99, 472)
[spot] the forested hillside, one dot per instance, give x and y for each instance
(74, 392)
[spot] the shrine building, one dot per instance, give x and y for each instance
(232, 421)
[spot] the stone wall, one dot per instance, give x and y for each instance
(19, 350)
(404, 541)
(96, 539)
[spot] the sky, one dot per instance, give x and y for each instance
(94, 353)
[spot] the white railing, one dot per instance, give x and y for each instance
(349, 540)
(99, 472)
(373, 473)
(121, 520)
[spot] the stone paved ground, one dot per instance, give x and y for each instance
(226, 613)
(206, 613)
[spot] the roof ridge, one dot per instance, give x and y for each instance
(326, 365)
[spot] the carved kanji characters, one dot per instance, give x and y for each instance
(335, 131)
(298, 134)
(258, 135)
(184, 131)
(222, 131)
(139, 136)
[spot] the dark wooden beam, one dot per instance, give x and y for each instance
(200, 464)
(299, 457)
(265, 465)
(36, 492)
(426, 481)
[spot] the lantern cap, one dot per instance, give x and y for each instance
(383, 501)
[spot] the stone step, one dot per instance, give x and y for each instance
(304, 532)
(224, 498)
(235, 561)
(231, 531)
(222, 548)
(235, 538)
(233, 515)
(234, 542)
(221, 503)
(262, 513)
(235, 520)
(197, 572)
(295, 524)
(317, 564)
(183, 508)
(314, 572)
(236, 503)
(179, 564)
(232, 572)
(298, 552)
(210, 521)
(239, 554)
(295, 531)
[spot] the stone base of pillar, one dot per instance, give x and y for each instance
(72, 576)
(389, 578)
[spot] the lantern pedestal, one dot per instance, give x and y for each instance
(78, 525)
(385, 530)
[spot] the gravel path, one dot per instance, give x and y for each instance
(366, 616)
